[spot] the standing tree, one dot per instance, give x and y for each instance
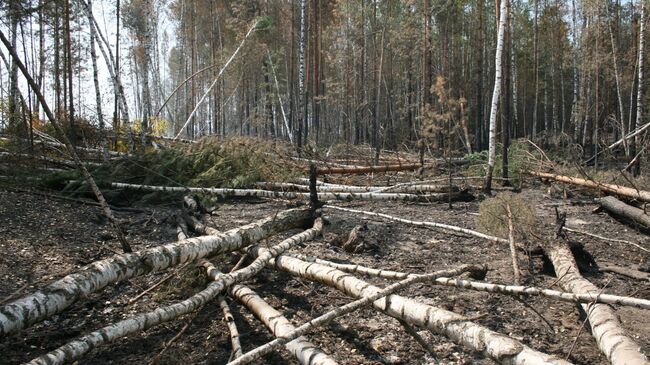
(498, 61)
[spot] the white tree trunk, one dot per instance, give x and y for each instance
(605, 326)
(639, 95)
(306, 352)
(515, 290)
(77, 348)
(619, 93)
(498, 61)
(498, 347)
(98, 97)
(297, 195)
(59, 295)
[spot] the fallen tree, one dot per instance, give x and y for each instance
(371, 169)
(514, 290)
(633, 193)
(501, 348)
(446, 227)
(340, 311)
(59, 295)
(414, 189)
(605, 326)
(457, 196)
(79, 347)
(628, 212)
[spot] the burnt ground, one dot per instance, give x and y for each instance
(42, 239)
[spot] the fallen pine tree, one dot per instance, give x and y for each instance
(625, 211)
(633, 193)
(500, 348)
(59, 295)
(463, 195)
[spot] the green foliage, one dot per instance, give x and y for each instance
(233, 163)
(264, 23)
(493, 215)
(519, 155)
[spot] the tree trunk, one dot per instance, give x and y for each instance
(605, 326)
(633, 193)
(302, 100)
(628, 212)
(59, 295)
(536, 67)
(495, 96)
(496, 346)
(306, 352)
(636, 169)
(98, 98)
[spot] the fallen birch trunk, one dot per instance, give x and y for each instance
(46, 159)
(640, 195)
(306, 352)
(62, 293)
(232, 327)
(340, 311)
(628, 212)
(605, 326)
(447, 227)
(462, 195)
(498, 347)
(79, 347)
(514, 290)
(371, 169)
(415, 189)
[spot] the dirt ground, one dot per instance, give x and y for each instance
(42, 239)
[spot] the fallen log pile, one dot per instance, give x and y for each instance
(208, 248)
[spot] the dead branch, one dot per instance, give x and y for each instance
(605, 326)
(371, 169)
(472, 336)
(640, 195)
(628, 212)
(59, 295)
(513, 249)
(569, 229)
(446, 227)
(409, 189)
(625, 271)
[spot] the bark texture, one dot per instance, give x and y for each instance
(62, 293)
(501, 348)
(628, 212)
(605, 326)
(457, 196)
(515, 290)
(640, 195)
(306, 352)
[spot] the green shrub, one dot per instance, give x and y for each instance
(493, 215)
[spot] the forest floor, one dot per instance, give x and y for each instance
(42, 239)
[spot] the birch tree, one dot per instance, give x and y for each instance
(636, 169)
(498, 61)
